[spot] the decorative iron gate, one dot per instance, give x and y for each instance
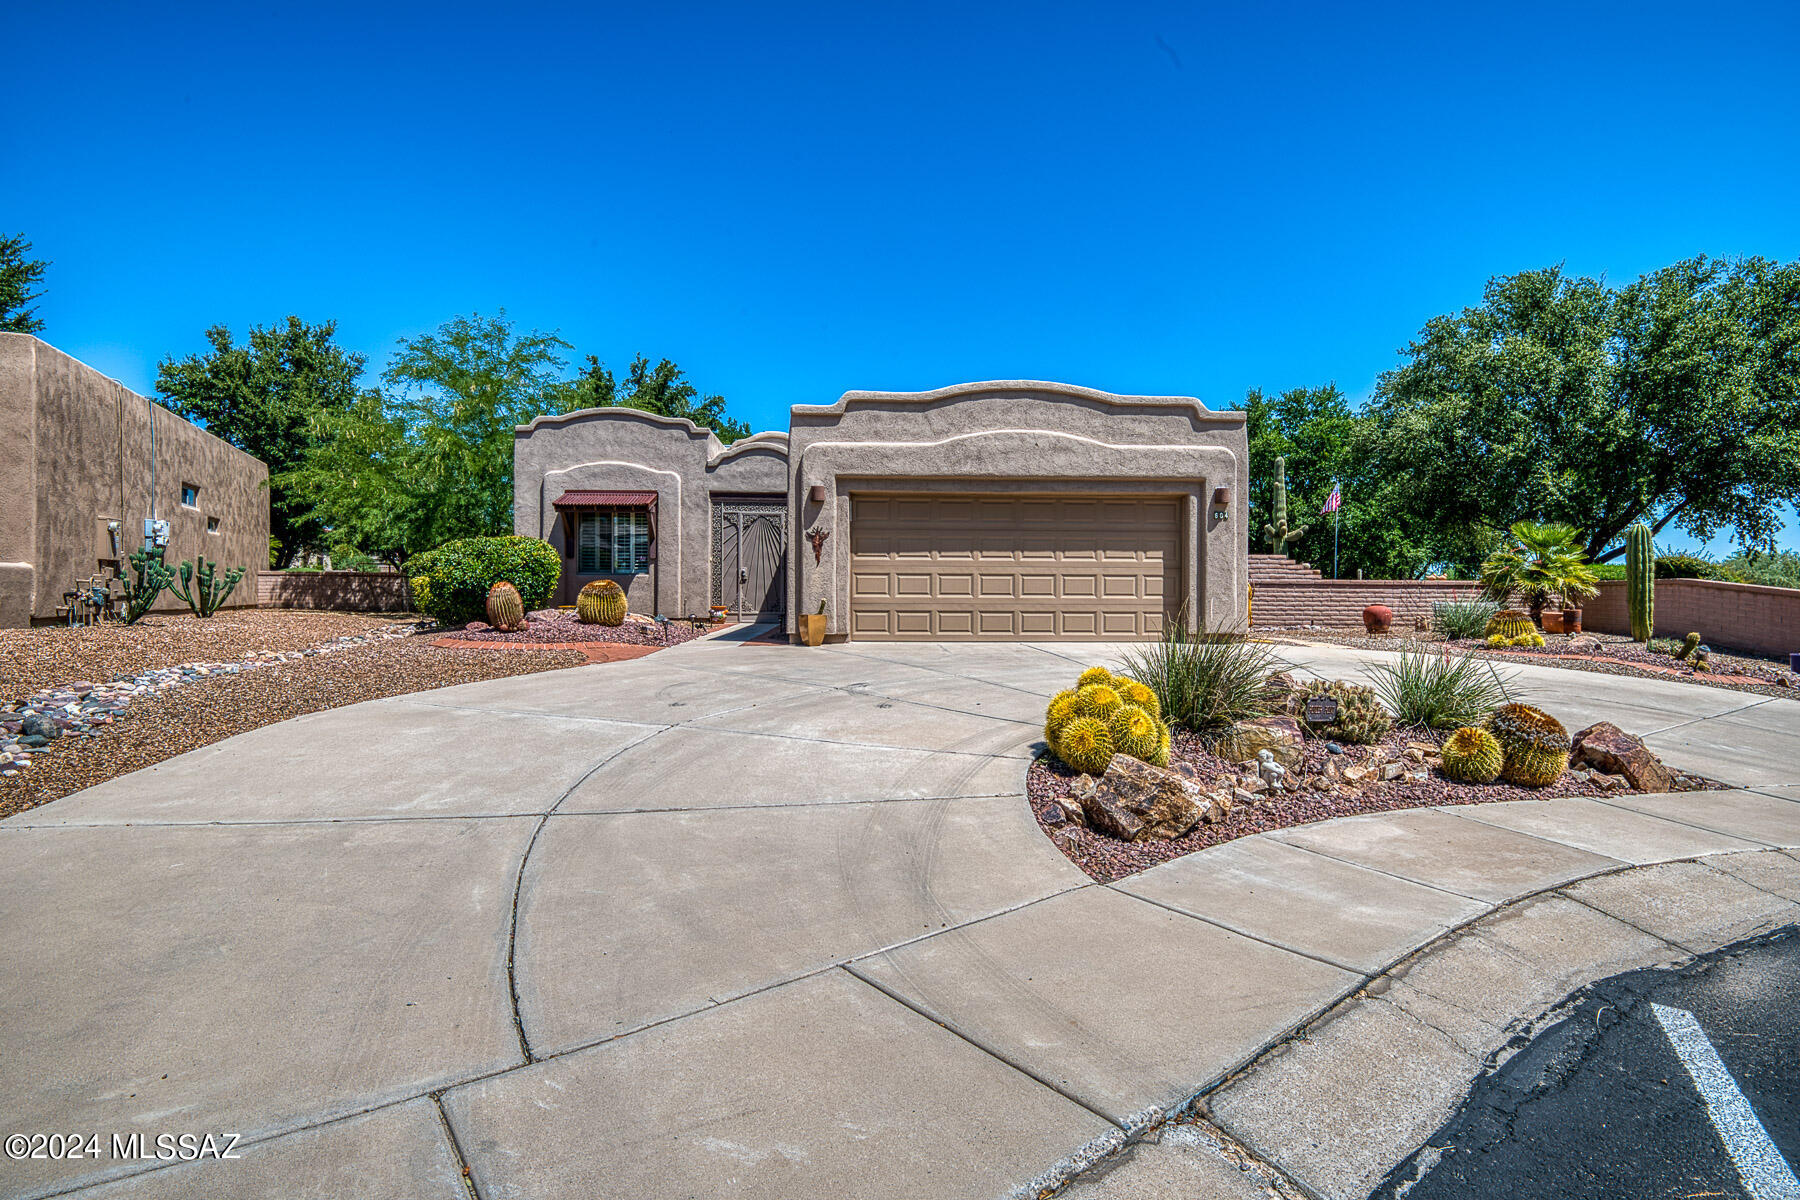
(749, 566)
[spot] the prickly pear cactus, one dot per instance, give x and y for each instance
(1472, 756)
(505, 608)
(601, 602)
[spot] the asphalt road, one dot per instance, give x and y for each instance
(1618, 1099)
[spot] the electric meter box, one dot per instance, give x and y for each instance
(156, 533)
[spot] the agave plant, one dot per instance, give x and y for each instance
(1542, 563)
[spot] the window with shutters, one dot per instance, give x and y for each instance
(613, 541)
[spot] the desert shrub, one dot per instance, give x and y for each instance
(457, 575)
(1203, 681)
(1462, 618)
(1770, 569)
(1689, 566)
(1439, 690)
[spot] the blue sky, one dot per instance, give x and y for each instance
(793, 201)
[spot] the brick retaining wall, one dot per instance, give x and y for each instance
(1727, 616)
(345, 591)
(1340, 602)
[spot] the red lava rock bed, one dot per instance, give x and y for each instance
(1106, 858)
(558, 626)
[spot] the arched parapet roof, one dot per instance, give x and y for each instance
(772, 442)
(1189, 405)
(614, 412)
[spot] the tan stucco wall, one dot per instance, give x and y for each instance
(622, 449)
(88, 458)
(1019, 436)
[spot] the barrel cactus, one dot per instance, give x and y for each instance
(1141, 695)
(1134, 732)
(1689, 644)
(1640, 582)
(1534, 744)
(1094, 675)
(1063, 709)
(1360, 718)
(601, 602)
(1161, 757)
(1099, 700)
(1086, 745)
(1509, 623)
(1472, 756)
(505, 608)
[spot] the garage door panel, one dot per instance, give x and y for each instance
(971, 567)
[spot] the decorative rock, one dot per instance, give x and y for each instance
(1358, 775)
(1414, 754)
(1280, 736)
(40, 726)
(1083, 787)
(1240, 796)
(1391, 770)
(1615, 752)
(1137, 802)
(1071, 810)
(1333, 748)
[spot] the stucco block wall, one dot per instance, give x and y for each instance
(622, 449)
(88, 457)
(1728, 616)
(1330, 603)
(340, 591)
(1019, 437)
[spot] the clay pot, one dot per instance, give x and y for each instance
(1378, 618)
(1553, 621)
(812, 629)
(1571, 620)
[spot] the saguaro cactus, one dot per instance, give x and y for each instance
(1277, 534)
(1640, 582)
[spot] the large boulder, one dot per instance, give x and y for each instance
(1136, 802)
(1611, 750)
(1280, 736)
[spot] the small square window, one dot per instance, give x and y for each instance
(212, 524)
(190, 495)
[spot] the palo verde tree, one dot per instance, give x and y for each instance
(19, 276)
(269, 397)
(1674, 400)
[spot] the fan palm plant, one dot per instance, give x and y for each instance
(1541, 562)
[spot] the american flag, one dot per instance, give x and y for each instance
(1333, 502)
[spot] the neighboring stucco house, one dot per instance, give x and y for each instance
(987, 511)
(78, 479)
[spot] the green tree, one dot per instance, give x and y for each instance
(18, 276)
(430, 458)
(1673, 400)
(663, 389)
(267, 397)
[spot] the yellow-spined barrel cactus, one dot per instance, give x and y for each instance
(1509, 623)
(1161, 757)
(601, 602)
(1086, 745)
(1063, 709)
(1134, 732)
(1094, 675)
(1140, 695)
(1534, 743)
(1472, 756)
(1099, 700)
(505, 609)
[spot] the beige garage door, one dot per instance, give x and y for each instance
(997, 567)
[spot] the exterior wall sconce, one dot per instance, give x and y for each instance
(816, 493)
(1221, 503)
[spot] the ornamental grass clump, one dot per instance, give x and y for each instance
(1535, 745)
(1439, 690)
(1457, 619)
(1472, 756)
(1203, 681)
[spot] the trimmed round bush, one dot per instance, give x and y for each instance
(1472, 756)
(450, 584)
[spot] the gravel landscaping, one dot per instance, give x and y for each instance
(558, 625)
(262, 668)
(1104, 858)
(1605, 654)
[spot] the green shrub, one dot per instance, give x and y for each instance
(1779, 568)
(1439, 690)
(1689, 566)
(1612, 570)
(457, 575)
(1203, 681)
(1462, 618)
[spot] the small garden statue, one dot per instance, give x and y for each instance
(1277, 534)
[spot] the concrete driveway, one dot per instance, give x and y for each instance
(735, 919)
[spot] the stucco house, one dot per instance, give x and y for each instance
(87, 461)
(1013, 510)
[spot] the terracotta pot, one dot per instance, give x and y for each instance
(1571, 620)
(812, 629)
(1378, 618)
(1553, 621)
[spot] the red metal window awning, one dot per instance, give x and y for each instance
(605, 500)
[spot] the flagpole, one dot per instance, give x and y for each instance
(1336, 515)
